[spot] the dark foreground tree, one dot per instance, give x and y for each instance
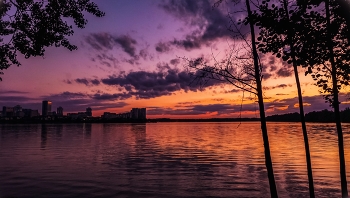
(279, 26)
(243, 70)
(326, 52)
(29, 26)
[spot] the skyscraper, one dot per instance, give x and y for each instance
(60, 111)
(46, 108)
(88, 111)
(138, 113)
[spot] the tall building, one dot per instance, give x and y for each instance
(142, 114)
(7, 111)
(134, 113)
(46, 108)
(88, 111)
(138, 113)
(60, 111)
(17, 109)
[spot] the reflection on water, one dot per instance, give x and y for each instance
(165, 160)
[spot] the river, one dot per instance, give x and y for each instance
(166, 160)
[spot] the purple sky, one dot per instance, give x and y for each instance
(132, 58)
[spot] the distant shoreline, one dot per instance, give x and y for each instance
(157, 121)
(324, 116)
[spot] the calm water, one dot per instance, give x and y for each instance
(165, 160)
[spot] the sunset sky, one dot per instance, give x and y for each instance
(131, 58)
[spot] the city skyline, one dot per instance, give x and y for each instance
(124, 60)
(47, 110)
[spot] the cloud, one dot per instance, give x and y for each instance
(278, 86)
(155, 84)
(103, 44)
(82, 81)
(77, 101)
(198, 109)
(127, 43)
(211, 24)
(162, 47)
(14, 99)
(116, 96)
(175, 61)
(4, 92)
(100, 41)
(87, 81)
(284, 72)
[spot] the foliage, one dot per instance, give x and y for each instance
(29, 26)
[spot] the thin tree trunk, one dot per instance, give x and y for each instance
(344, 187)
(301, 107)
(268, 161)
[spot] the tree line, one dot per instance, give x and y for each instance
(325, 116)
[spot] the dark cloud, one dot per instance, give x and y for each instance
(284, 72)
(155, 84)
(116, 96)
(77, 101)
(3, 92)
(281, 94)
(233, 91)
(127, 43)
(82, 81)
(162, 47)
(14, 98)
(68, 81)
(266, 75)
(66, 95)
(278, 86)
(95, 82)
(100, 41)
(175, 61)
(87, 81)
(211, 24)
(103, 43)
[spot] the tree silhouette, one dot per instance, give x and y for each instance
(279, 35)
(326, 53)
(29, 26)
(242, 69)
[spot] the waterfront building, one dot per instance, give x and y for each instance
(77, 116)
(109, 115)
(138, 113)
(60, 111)
(89, 111)
(30, 113)
(7, 111)
(142, 114)
(46, 108)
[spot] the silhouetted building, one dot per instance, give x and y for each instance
(30, 113)
(126, 115)
(75, 116)
(7, 111)
(89, 111)
(46, 108)
(138, 113)
(108, 115)
(60, 111)
(142, 113)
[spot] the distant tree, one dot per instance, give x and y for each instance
(29, 26)
(320, 116)
(242, 69)
(279, 25)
